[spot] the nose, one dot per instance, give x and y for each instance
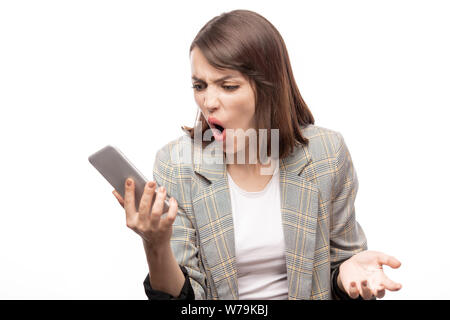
(211, 101)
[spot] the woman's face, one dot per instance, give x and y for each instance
(231, 101)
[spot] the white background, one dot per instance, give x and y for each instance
(77, 75)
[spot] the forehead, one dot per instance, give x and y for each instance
(200, 68)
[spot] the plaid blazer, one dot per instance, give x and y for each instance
(318, 185)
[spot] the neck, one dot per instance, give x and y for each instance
(249, 167)
(253, 169)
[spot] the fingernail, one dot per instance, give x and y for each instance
(364, 283)
(163, 189)
(129, 182)
(151, 184)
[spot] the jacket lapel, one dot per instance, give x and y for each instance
(299, 207)
(212, 209)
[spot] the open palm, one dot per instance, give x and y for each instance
(362, 275)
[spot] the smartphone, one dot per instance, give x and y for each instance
(116, 168)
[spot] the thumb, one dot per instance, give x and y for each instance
(389, 261)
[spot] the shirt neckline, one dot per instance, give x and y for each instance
(253, 194)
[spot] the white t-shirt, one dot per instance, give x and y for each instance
(259, 241)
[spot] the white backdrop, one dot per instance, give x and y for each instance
(77, 75)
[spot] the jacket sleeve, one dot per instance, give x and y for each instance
(184, 237)
(187, 293)
(346, 236)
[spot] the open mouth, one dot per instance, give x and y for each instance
(219, 127)
(218, 132)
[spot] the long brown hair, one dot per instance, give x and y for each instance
(245, 41)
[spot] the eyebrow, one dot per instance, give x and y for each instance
(217, 80)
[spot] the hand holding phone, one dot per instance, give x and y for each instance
(116, 168)
(148, 212)
(149, 220)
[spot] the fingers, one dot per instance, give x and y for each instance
(366, 293)
(118, 197)
(147, 198)
(157, 209)
(389, 261)
(129, 205)
(171, 214)
(353, 291)
(362, 289)
(389, 284)
(379, 292)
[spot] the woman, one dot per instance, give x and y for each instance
(233, 231)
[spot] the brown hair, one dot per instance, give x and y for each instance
(245, 41)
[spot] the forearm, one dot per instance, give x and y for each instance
(165, 273)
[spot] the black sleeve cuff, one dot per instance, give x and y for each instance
(187, 293)
(336, 291)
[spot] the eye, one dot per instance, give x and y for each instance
(196, 87)
(231, 88)
(199, 87)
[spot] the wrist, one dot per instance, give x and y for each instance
(156, 252)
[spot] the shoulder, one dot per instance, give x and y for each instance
(175, 153)
(323, 142)
(330, 161)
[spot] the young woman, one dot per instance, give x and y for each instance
(233, 231)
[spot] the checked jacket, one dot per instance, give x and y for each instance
(318, 186)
